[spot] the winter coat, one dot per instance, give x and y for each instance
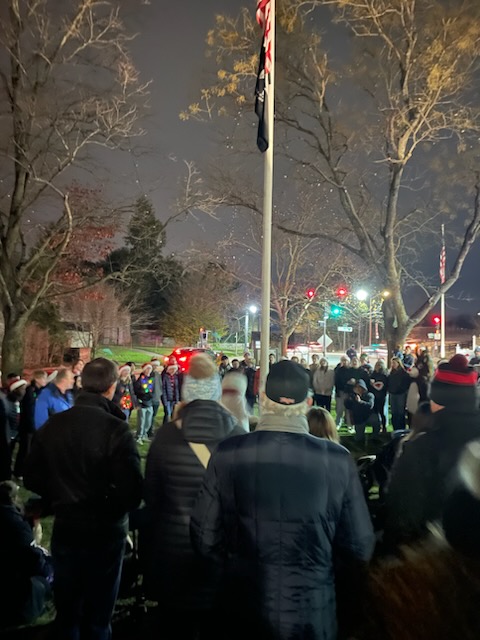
(342, 376)
(157, 387)
(24, 569)
(171, 384)
(51, 401)
(361, 409)
(355, 374)
(143, 389)
(378, 385)
(27, 408)
(282, 510)
(85, 464)
(124, 395)
(174, 575)
(323, 381)
(398, 381)
(422, 477)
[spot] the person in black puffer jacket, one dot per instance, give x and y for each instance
(174, 576)
(422, 478)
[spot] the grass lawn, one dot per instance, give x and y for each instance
(139, 355)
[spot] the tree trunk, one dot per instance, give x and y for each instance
(284, 344)
(13, 345)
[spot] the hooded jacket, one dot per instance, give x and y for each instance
(173, 476)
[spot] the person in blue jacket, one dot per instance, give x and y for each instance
(283, 514)
(56, 397)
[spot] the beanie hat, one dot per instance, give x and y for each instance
(235, 380)
(454, 383)
(126, 369)
(16, 383)
(155, 361)
(146, 364)
(287, 383)
(202, 381)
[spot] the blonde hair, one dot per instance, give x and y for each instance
(321, 424)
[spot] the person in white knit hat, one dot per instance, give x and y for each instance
(234, 387)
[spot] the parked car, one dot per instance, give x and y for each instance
(183, 355)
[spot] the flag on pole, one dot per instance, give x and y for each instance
(263, 77)
(442, 260)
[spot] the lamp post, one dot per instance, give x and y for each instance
(362, 295)
(253, 310)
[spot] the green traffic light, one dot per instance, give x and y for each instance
(336, 311)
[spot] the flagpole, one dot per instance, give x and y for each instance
(442, 302)
(267, 214)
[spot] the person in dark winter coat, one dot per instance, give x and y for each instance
(26, 571)
(26, 426)
(398, 384)
(173, 575)
(171, 388)
(461, 515)
(84, 463)
(342, 375)
(143, 389)
(124, 395)
(378, 385)
(361, 403)
(283, 513)
(10, 416)
(157, 392)
(422, 477)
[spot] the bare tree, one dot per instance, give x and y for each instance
(67, 84)
(376, 161)
(305, 273)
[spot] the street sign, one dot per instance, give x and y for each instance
(434, 336)
(345, 329)
(328, 341)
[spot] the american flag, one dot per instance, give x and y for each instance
(442, 263)
(264, 67)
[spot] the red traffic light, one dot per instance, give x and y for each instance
(310, 293)
(436, 319)
(341, 292)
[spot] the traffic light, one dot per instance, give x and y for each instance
(335, 311)
(310, 293)
(341, 292)
(436, 320)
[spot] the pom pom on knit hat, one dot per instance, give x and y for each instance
(455, 384)
(202, 381)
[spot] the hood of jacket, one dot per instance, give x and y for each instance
(207, 421)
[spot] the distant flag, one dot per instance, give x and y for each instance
(263, 78)
(442, 260)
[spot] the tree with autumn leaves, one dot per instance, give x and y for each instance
(383, 135)
(67, 84)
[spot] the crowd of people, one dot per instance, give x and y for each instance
(246, 524)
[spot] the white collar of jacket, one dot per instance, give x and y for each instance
(290, 424)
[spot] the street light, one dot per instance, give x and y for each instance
(253, 310)
(362, 296)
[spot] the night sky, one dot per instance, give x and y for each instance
(170, 50)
